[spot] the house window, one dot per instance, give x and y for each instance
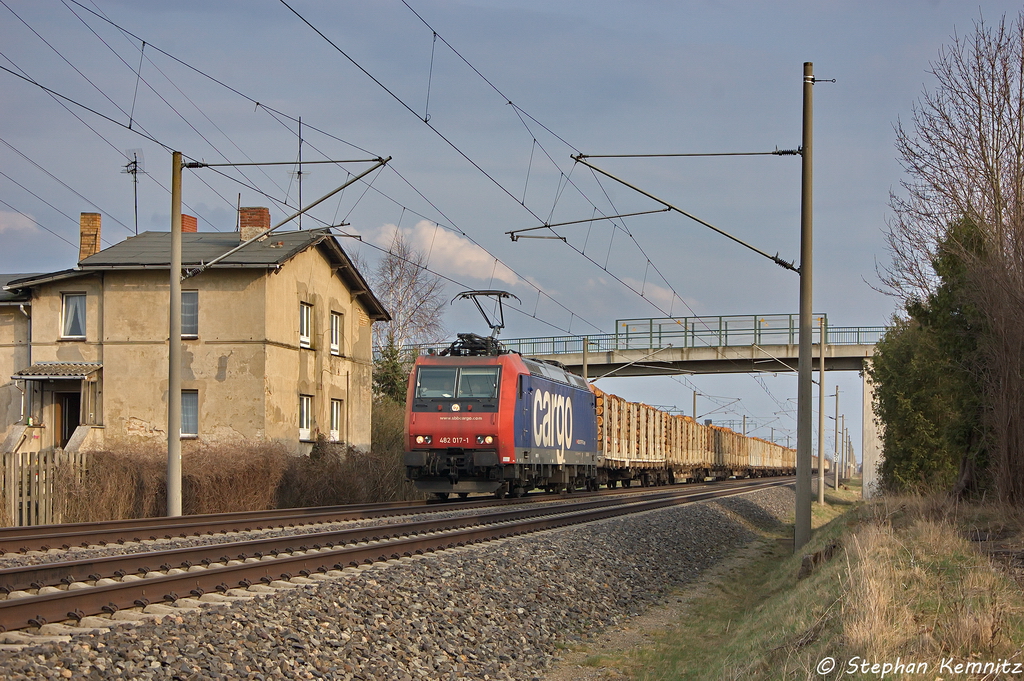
(190, 314)
(336, 326)
(73, 323)
(336, 411)
(305, 416)
(189, 413)
(305, 325)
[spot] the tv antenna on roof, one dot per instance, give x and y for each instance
(299, 174)
(497, 325)
(136, 164)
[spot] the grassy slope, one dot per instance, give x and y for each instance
(904, 583)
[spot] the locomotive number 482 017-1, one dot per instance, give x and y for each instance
(453, 440)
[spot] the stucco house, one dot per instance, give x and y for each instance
(276, 342)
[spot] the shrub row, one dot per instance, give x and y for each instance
(130, 481)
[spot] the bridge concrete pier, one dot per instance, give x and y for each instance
(871, 437)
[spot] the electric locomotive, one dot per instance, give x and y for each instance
(486, 420)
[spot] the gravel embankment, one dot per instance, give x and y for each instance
(497, 611)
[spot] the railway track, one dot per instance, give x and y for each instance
(83, 535)
(73, 590)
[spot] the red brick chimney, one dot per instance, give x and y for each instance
(189, 223)
(252, 221)
(89, 235)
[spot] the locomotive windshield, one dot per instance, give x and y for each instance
(481, 382)
(471, 382)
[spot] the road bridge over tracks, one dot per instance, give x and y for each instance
(713, 345)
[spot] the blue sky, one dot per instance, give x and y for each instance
(590, 77)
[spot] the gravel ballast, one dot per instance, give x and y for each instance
(496, 611)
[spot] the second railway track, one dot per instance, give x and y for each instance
(72, 590)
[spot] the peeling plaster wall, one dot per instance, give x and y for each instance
(225, 363)
(294, 371)
(14, 356)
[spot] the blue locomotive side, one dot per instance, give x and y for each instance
(555, 423)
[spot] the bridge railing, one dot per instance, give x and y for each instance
(686, 332)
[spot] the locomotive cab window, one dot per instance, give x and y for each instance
(457, 382)
(478, 382)
(436, 382)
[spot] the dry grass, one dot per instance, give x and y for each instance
(907, 583)
(918, 587)
(130, 481)
(127, 482)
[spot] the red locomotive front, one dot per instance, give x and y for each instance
(459, 422)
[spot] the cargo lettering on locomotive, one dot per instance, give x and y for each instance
(552, 420)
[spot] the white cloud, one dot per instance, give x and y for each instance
(659, 295)
(15, 222)
(449, 253)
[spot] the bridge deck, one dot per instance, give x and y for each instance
(699, 345)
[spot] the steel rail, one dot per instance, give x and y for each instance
(85, 534)
(34, 611)
(66, 536)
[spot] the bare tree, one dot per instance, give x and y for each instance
(415, 299)
(964, 159)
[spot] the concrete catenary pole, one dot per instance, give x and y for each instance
(174, 348)
(851, 458)
(842, 443)
(802, 528)
(586, 344)
(835, 454)
(822, 330)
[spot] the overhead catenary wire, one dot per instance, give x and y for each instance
(518, 110)
(404, 104)
(273, 112)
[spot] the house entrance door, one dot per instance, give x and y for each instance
(67, 408)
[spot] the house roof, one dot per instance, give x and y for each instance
(58, 370)
(14, 296)
(151, 250)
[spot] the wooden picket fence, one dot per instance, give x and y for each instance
(28, 485)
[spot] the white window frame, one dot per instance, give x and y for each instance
(336, 415)
(337, 326)
(305, 417)
(184, 333)
(185, 435)
(64, 297)
(305, 325)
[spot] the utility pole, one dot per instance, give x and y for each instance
(695, 393)
(821, 412)
(802, 526)
(586, 344)
(835, 455)
(174, 348)
(850, 460)
(744, 425)
(842, 446)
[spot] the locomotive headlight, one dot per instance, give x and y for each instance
(484, 439)
(424, 439)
